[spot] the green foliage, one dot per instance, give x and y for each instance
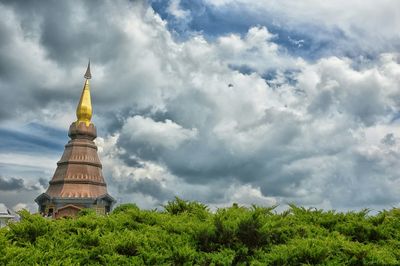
(179, 206)
(26, 233)
(125, 208)
(187, 233)
(87, 211)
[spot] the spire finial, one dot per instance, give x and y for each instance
(87, 74)
(84, 108)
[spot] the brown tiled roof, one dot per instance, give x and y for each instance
(79, 171)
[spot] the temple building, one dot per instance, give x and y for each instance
(78, 181)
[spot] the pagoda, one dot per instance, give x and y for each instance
(78, 181)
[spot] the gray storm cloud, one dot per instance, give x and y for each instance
(11, 184)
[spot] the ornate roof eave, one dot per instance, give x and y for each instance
(41, 197)
(108, 196)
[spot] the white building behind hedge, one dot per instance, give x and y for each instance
(6, 215)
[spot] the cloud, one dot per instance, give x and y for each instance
(175, 10)
(11, 184)
(256, 51)
(18, 193)
(233, 118)
(147, 186)
(168, 134)
(389, 139)
(15, 184)
(344, 28)
(248, 195)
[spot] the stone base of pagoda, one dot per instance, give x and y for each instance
(69, 207)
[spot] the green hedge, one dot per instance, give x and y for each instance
(187, 233)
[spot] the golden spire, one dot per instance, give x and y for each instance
(84, 109)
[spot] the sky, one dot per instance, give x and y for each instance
(260, 102)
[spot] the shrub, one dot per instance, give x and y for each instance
(86, 211)
(125, 207)
(186, 233)
(28, 229)
(179, 206)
